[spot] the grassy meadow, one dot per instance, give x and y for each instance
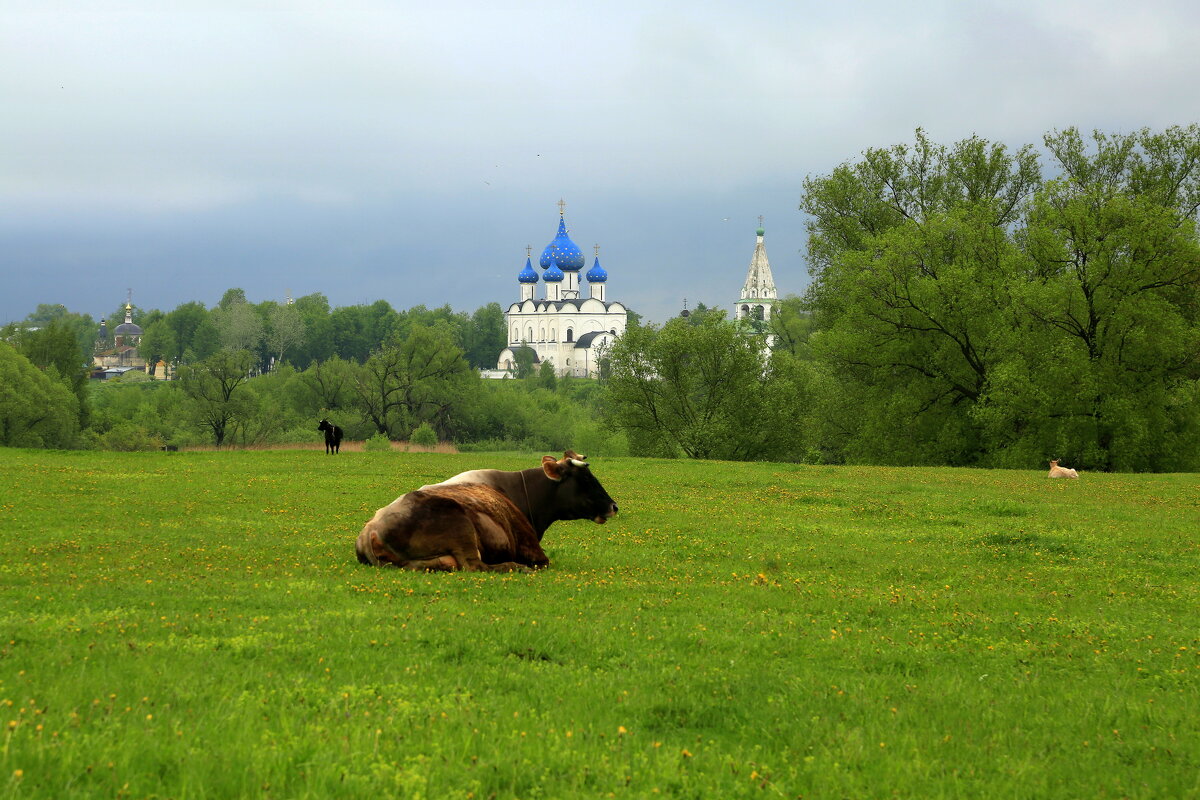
(195, 625)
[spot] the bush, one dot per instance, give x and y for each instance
(424, 436)
(128, 437)
(378, 444)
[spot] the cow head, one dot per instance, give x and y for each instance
(324, 426)
(578, 494)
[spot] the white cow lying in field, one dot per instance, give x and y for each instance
(1061, 472)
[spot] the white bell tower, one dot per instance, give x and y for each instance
(759, 295)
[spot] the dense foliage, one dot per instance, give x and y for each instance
(968, 311)
(36, 407)
(260, 374)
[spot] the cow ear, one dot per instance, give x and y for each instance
(552, 468)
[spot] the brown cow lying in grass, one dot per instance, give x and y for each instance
(1061, 472)
(485, 519)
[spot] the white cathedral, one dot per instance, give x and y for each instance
(562, 328)
(571, 332)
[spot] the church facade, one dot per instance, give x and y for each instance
(559, 325)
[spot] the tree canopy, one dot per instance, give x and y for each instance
(974, 313)
(36, 408)
(690, 388)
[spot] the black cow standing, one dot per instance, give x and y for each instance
(333, 436)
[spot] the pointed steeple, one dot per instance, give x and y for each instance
(758, 292)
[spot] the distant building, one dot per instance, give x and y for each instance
(116, 352)
(759, 295)
(561, 327)
(120, 348)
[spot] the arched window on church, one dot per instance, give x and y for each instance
(745, 311)
(758, 312)
(516, 333)
(530, 335)
(553, 333)
(570, 334)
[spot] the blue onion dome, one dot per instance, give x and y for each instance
(562, 252)
(528, 275)
(553, 274)
(596, 274)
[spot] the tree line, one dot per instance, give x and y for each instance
(247, 375)
(964, 310)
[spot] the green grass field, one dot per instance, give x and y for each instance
(196, 625)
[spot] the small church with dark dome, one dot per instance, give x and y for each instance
(562, 327)
(116, 351)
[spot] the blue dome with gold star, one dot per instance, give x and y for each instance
(596, 274)
(562, 252)
(552, 274)
(528, 275)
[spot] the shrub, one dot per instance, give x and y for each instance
(128, 437)
(424, 436)
(378, 444)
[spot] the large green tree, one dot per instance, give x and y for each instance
(327, 385)
(972, 313)
(913, 265)
(239, 325)
(54, 348)
(82, 325)
(486, 336)
(691, 389)
(318, 343)
(185, 321)
(285, 330)
(215, 388)
(36, 409)
(1110, 353)
(158, 342)
(422, 378)
(357, 331)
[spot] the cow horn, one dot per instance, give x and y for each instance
(578, 463)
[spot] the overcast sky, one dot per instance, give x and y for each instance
(409, 151)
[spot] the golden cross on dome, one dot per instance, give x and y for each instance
(562, 206)
(529, 251)
(760, 220)
(596, 248)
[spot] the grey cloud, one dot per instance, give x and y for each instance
(200, 145)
